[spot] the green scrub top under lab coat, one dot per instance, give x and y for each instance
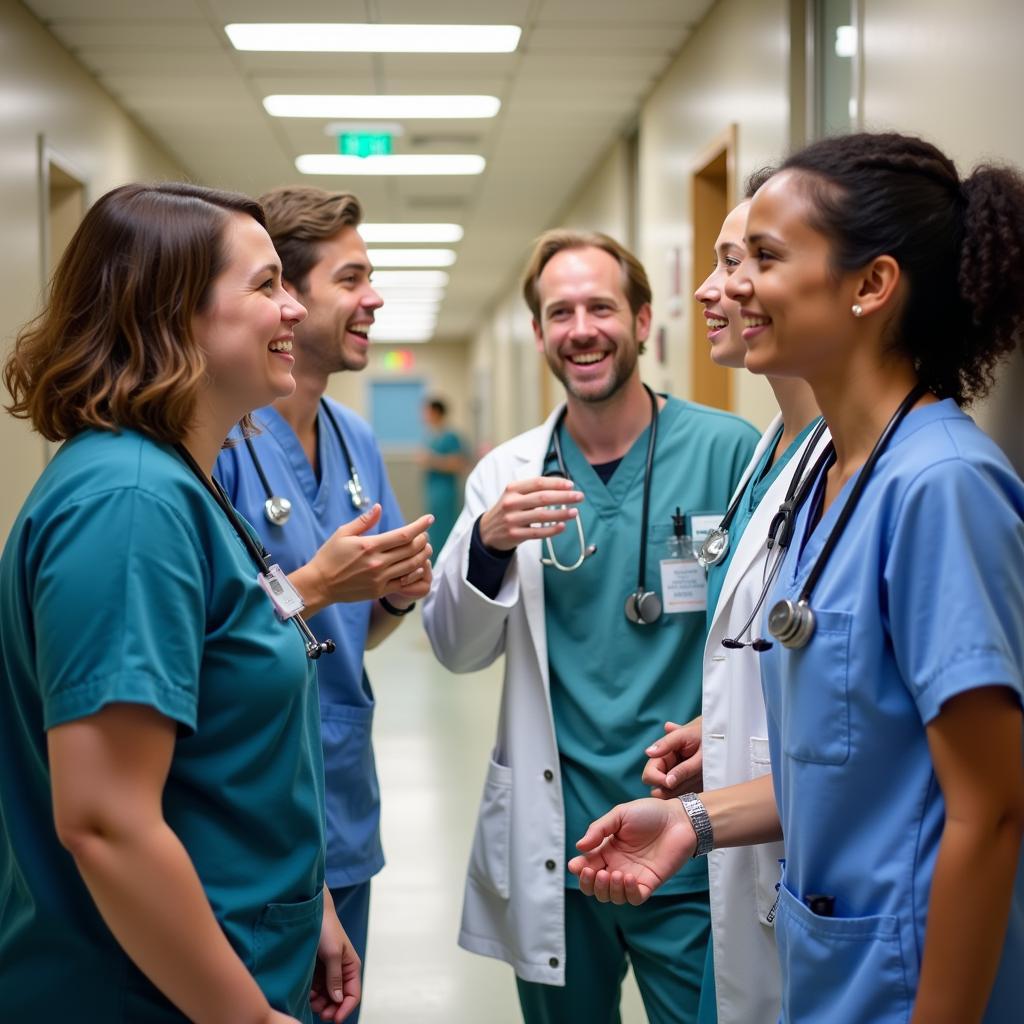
(614, 684)
(122, 581)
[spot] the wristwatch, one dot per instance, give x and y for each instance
(701, 822)
(393, 609)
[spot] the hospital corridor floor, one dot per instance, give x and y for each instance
(433, 732)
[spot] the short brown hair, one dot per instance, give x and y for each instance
(634, 277)
(113, 347)
(299, 218)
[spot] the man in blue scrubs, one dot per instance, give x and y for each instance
(343, 543)
(585, 681)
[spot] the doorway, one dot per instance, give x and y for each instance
(713, 196)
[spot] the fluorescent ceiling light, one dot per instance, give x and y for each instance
(400, 107)
(410, 279)
(396, 309)
(412, 257)
(334, 37)
(410, 232)
(387, 319)
(433, 163)
(409, 296)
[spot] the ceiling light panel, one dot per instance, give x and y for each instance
(401, 164)
(410, 232)
(328, 37)
(412, 257)
(408, 296)
(412, 107)
(388, 279)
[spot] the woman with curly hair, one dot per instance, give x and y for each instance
(894, 650)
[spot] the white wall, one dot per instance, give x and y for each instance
(953, 73)
(44, 90)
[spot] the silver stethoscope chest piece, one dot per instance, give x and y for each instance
(643, 608)
(791, 623)
(715, 547)
(277, 510)
(355, 492)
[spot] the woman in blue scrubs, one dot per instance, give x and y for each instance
(161, 778)
(893, 287)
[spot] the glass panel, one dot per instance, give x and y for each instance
(836, 50)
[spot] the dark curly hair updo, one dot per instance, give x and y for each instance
(959, 245)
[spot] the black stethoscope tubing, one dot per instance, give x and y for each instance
(642, 606)
(259, 555)
(780, 531)
(283, 505)
(793, 623)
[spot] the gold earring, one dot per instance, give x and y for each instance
(857, 309)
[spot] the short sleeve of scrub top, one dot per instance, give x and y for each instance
(954, 586)
(125, 621)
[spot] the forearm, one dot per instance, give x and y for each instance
(967, 915)
(148, 892)
(744, 814)
(312, 587)
(383, 623)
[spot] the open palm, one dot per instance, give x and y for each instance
(632, 850)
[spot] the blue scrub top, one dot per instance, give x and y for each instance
(319, 507)
(123, 581)
(613, 683)
(922, 599)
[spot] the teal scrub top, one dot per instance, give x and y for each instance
(442, 492)
(757, 487)
(614, 684)
(922, 600)
(122, 581)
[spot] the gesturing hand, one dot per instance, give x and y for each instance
(523, 512)
(336, 980)
(676, 762)
(633, 849)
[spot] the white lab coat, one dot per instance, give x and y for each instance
(735, 746)
(514, 907)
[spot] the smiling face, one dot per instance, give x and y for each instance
(246, 326)
(587, 331)
(722, 314)
(341, 303)
(796, 310)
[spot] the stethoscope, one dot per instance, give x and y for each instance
(716, 544)
(643, 607)
(278, 509)
(792, 623)
(259, 555)
(780, 532)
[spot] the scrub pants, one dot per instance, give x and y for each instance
(665, 940)
(708, 1011)
(352, 903)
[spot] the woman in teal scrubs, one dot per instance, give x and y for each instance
(891, 285)
(161, 780)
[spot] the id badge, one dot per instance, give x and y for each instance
(684, 586)
(283, 596)
(701, 524)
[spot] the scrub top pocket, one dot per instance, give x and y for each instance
(489, 861)
(284, 953)
(352, 795)
(817, 727)
(840, 970)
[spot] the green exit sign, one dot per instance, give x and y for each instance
(364, 144)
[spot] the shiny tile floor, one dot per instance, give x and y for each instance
(433, 733)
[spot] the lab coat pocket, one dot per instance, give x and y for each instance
(489, 861)
(816, 678)
(766, 856)
(284, 953)
(840, 968)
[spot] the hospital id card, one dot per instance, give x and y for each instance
(684, 586)
(283, 596)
